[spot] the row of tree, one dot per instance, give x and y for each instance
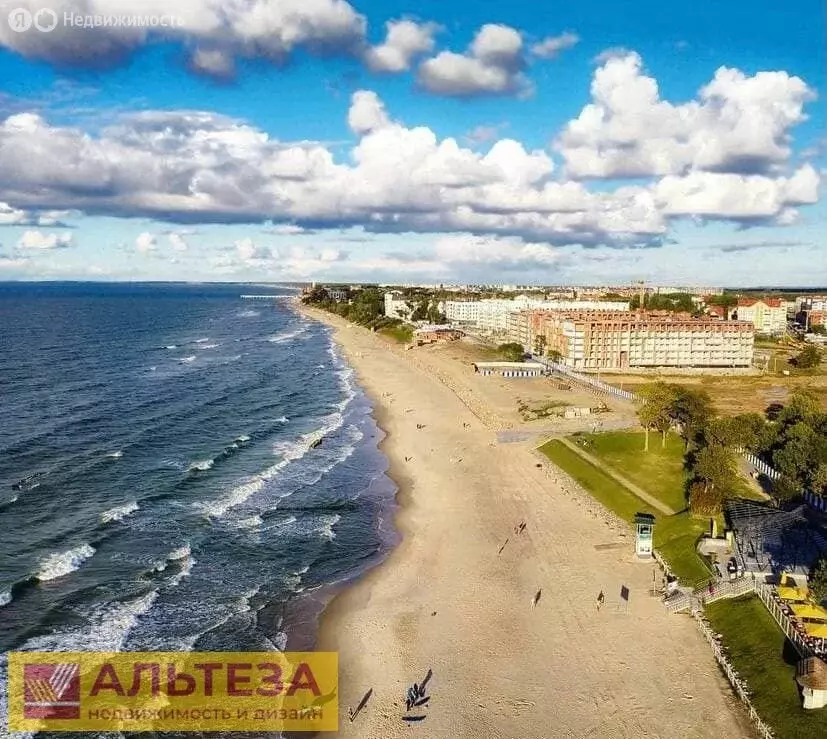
(365, 307)
(792, 438)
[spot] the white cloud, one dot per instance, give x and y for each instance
(405, 40)
(177, 241)
(248, 251)
(551, 46)
(215, 31)
(194, 166)
(146, 243)
(13, 262)
(716, 195)
(504, 253)
(16, 217)
(367, 113)
(37, 240)
(492, 65)
(739, 124)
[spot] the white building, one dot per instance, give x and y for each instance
(396, 307)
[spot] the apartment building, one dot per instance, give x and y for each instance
(592, 340)
(813, 310)
(768, 315)
(396, 306)
(491, 316)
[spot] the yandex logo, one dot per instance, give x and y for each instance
(181, 691)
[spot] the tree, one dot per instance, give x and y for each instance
(691, 410)
(715, 469)
(511, 352)
(555, 356)
(656, 411)
(818, 578)
(785, 488)
(808, 358)
(540, 345)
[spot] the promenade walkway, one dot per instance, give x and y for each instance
(626, 482)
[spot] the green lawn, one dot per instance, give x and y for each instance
(403, 333)
(758, 651)
(675, 536)
(659, 471)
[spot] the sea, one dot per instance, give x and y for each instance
(180, 469)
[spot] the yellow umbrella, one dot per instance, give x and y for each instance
(809, 610)
(794, 594)
(817, 630)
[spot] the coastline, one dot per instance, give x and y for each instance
(447, 599)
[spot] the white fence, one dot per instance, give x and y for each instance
(592, 382)
(738, 685)
(760, 464)
(725, 589)
(764, 592)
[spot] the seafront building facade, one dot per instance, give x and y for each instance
(396, 306)
(768, 315)
(600, 340)
(813, 310)
(491, 316)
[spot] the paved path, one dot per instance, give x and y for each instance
(636, 489)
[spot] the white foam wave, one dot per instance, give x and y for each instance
(242, 439)
(287, 335)
(188, 359)
(253, 522)
(208, 346)
(179, 553)
(115, 455)
(171, 346)
(201, 466)
(5, 598)
(62, 563)
(328, 522)
(202, 341)
(249, 314)
(119, 512)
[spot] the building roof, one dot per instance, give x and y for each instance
(812, 673)
(769, 302)
(509, 365)
(434, 328)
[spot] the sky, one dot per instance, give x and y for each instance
(600, 142)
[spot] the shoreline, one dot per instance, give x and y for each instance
(451, 596)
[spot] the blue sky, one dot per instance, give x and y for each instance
(592, 142)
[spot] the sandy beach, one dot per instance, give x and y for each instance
(456, 595)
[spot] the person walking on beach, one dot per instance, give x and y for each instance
(600, 599)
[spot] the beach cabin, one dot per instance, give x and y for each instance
(509, 369)
(811, 675)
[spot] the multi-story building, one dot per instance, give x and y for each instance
(490, 316)
(813, 311)
(396, 306)
(768, 315)
(592, 341)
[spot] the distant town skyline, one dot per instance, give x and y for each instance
(352, 142)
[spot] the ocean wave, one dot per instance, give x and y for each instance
(62, 563)
(201, 466)
(287, 335)
(181, 552)
(187, 359)
(208, 346)
(202, 341)
(328, 522)
(119, 512)
(248, 314)
(115, 455)
(7, 503)
(253, 522)
(5, 598)
(171, 346)
(241, 439)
